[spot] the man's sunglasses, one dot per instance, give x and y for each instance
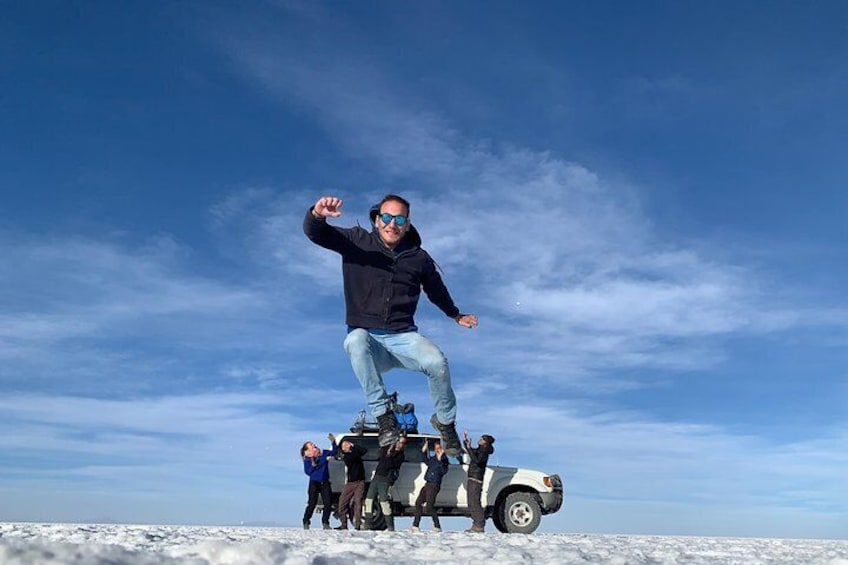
(400, 220)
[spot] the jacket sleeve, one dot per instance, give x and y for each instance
(474, 454)
(435, 289)
(321, 233)
(307, 466)
(360, 450)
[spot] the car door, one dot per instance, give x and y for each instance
(411, 477)
(452, 492)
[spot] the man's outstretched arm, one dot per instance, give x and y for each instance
(435, 289)
(317, 229)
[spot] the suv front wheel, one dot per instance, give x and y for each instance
(519, 514)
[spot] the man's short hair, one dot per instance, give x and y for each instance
(395, 198)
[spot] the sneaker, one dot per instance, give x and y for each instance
(450, 439)
(437, 529)
(305, 525)
(388, 427)
(475, 530)
(415, 529)
(326, 526)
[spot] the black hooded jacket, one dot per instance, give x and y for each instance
(388, 466)
(381, 286)
(479, 458)
(353, 461)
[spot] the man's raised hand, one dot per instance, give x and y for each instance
(467, 320)
(328, 206)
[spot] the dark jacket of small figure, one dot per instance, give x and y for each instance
(316, 467)
(389, 464)
(478, 459)
(437, 468)
(381, 286)
(353, 461)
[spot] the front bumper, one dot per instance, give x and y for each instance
(551, 501)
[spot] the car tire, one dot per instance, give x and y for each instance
(497, 517)
(378, 519)
(521, 513)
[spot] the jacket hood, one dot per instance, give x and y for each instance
(413, 238)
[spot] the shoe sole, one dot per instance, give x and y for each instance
(385, 439)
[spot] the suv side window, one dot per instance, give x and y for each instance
(368, 442)
(412, 450)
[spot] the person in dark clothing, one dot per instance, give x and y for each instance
(315, 466)
(384, 271)
(354, 489)
(437, 468)
(478, 459)
(385, 475)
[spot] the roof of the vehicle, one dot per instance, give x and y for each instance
(375, 434)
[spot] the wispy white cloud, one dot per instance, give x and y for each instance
(561, 263)
(82, 316)
(665, 461)
(157, 458)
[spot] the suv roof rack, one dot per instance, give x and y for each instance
(405, 414)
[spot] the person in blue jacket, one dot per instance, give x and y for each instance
(315, 466)
(437, 468)
(384, 271)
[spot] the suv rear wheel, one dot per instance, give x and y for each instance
(498, 518)
(378, 519)
(520, 514)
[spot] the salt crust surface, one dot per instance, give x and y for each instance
(33, 543)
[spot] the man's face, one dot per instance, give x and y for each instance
(439, 450)
(346, 445)
(391, 233)
(399, 446)
(312, 450)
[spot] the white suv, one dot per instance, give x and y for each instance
(515, 499)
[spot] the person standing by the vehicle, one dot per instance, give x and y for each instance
(437, 468)
(384, 271)
(385, 475)
(354, 488)
(315, 466)
(478, 459)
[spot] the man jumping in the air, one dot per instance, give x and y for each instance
(384, 271)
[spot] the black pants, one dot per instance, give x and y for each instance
(427, 496)
(322, 487)
(475, 508)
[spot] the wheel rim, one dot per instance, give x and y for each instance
(520, 514)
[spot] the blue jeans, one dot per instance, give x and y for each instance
(371, 355)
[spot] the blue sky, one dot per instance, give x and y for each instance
(644, 203)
